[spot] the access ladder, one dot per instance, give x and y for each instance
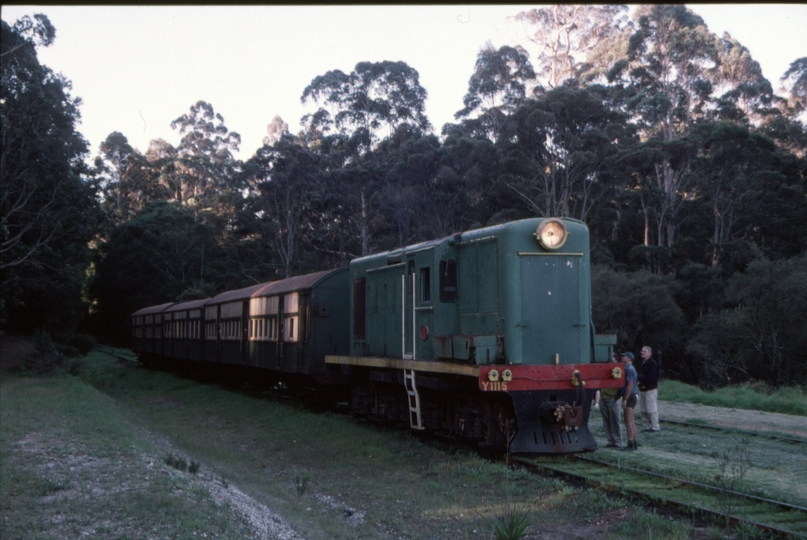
(415, 419)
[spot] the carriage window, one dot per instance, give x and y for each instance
(448, 281)
(272, 329)
(290, 330)
(263, 329)
(411, 271)
(425, 285)
(291, 303)
(358, 309)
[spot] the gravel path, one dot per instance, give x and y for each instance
(734, 418)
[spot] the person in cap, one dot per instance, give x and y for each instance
(609, 410)
(648, 390)
(629, 399)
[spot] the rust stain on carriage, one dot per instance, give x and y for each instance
(186, 305)
(231, 296)
(293, 284)
(271, 288)
(260, 289)
(152, 309)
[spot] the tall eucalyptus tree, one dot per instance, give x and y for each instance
(48, 210)
(125, 178)
(667, 77)
(730, 159)
(354, 112)
(795, 82)
(559, 151)
(283, 178)
(566, 35)
(496, 88)
(204, 164)
(741, 92)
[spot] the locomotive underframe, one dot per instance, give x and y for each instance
(528, 422)
(450, 405)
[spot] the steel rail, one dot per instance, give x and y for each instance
(660, 500)
(113, 354)
(756, 498)
(737, 430)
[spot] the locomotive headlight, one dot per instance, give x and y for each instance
(552, 233)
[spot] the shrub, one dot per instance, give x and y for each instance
(301, 480)
(67, 350)
(178, 463)
(74, 344)
(762, 332)
(511, 522)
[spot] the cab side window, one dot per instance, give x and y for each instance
(425, 284)
(448, 281)
(358, 308)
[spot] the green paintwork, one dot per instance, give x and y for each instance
(517, 302)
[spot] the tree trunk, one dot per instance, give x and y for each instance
(365, 227)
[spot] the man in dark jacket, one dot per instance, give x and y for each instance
(648, 390)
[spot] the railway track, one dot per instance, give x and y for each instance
(115, 353)
(686, 496)
(727, 506)
(750, 433)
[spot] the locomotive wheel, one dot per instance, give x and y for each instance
(360, 400)
(499, 422)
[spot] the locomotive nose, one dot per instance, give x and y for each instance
(556, 426)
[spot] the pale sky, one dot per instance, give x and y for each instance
(137, 68)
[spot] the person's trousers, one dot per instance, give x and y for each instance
(648, 407)
(609, 410)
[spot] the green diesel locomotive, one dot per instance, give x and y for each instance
(484, 335)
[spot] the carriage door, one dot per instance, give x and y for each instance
(245, 332)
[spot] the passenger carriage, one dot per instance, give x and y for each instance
(295, 322)
(147, 330)
(182, 328)
(225, 320)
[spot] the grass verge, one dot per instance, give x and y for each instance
(100, 454)
(75, 464)
(750, 396)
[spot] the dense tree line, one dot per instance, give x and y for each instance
(663, 137)
(48, 210)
